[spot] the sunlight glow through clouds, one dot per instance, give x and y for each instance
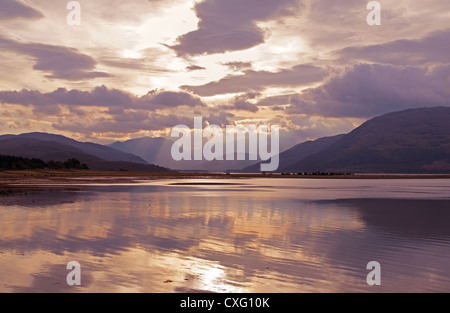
(131, 54)
(220, 51)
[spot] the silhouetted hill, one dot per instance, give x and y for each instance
(297, 153)
(44, 150)
(412, 141)
(49, 150)
(93, 149)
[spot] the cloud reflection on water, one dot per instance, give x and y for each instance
(221, 239)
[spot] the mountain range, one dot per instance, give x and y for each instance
(411, 141)
(49, 147)
(158, 151)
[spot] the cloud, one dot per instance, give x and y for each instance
(241, 103)
(114, 99)
(254, 81)
(136, 122)
(245, 106)
(150, 60)
(11, 9)
(62, 62)
(136, 65)
(221, 119)
(276, 101)
(434, 48)
(298, 128)
(128, 11)
(191, 68)
(230, 25)
(238, 66)
(126, 123)
(168, 99)
(366, 91)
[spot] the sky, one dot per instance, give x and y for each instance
(140, 67)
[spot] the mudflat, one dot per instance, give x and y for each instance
(39, 179)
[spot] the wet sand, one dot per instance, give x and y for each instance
(11, 181)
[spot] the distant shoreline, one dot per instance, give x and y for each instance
(51, 179)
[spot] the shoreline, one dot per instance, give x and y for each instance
(50, 179)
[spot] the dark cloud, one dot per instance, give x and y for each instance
(278, 108)
(168, 99)
(366, 91)
(242, 103)
(221, 119)
(230, 25)
(114, 99)
(191, 68)
(135, 122)
(238, 66)
(254, 81)
(126, 123)
(434, 48)
(245, 106)
(11, 9)
(62, 62)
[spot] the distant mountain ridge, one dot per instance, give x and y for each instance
(152, 150)
(158, 151)
(412, 141)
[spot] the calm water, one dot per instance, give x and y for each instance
(255, 235)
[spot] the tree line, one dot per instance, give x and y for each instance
(8, 162)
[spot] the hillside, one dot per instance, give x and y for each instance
(152, 150)
(92, 149)
(297, 153)
(22, 146)
(412, 141)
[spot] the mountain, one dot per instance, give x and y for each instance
(44, 150)
(297, 153)
(92, 149)
(158, 151)
(152, 150)
(411, 141)
(24, 146)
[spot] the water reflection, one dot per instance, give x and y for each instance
(403, 217)
(243, 237)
